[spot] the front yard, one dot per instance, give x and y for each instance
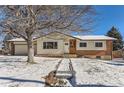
(15, 72)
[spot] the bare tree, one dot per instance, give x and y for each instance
(28, 21)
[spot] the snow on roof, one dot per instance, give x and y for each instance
(17, 39)
(85, 37)
(95, 37)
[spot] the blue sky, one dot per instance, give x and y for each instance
(109, 16)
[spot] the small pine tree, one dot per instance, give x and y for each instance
(117, 44)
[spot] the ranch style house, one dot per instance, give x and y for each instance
(58, 44)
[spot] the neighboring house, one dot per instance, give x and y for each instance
(57, 44)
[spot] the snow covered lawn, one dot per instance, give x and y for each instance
(15, 72)
(93, 72)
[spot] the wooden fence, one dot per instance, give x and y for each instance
(117, 54)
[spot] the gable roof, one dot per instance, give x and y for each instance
(85, 37)
(81, 37)
(59, 33)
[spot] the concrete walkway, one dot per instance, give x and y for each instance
(65, 70)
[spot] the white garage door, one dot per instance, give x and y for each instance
(20, 49)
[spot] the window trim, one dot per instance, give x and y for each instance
(54, 45)
(82, 46)
(98, 44)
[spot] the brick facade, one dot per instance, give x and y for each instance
(95, 53)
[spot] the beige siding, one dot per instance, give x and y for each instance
(55, 37)
(91, 45)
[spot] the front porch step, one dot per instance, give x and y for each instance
(50, 55)
(70, 55)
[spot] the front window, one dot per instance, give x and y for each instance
(50, 45)
(83, 44)
(98, 44)
(66, 43)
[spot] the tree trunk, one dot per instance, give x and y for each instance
(30, 50)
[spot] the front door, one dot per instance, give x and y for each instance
(66, 47)
(72, 48)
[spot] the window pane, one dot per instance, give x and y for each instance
(44, 45)
(83, 44)
(56, 45)
(50, 45)
(66, 43)
(98, 44)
